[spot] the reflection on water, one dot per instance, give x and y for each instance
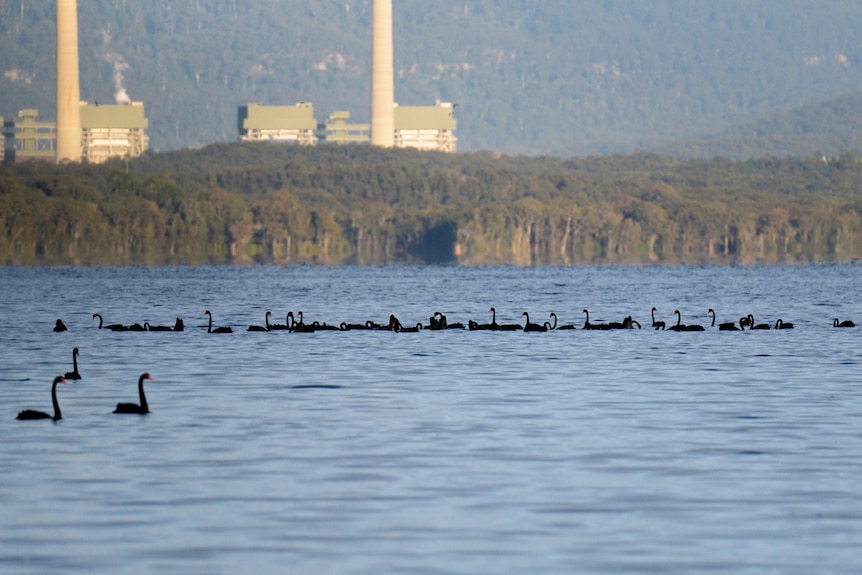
(433, 452)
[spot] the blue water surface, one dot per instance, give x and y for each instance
(628, 451)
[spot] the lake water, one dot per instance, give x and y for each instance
(634, 451)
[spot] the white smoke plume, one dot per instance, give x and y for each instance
(120, 66)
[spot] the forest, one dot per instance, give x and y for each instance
(263, 203)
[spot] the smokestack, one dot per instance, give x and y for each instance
(68, 83)
(382, 76)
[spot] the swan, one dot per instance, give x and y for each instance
(752, 325)
(656, 324)
(74, 373)
(141, 409)
(473, 325)
(112, 327)
(845, 323)
(317, 326)
(630, 323)
(555, 326)
(533, 326)
(297, 326)
(148, 327)
(60, 326)
(781, 324)
(682, 327)
(504, 326)
(218, 329)
(260, 328)
(33, 414)
(179, 325)
(599, 326)
(725, 326)
(441, 322)
(351, 326)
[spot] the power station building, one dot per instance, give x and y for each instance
(115, 131)
(292, 124)
(27, 139)
(429, 128)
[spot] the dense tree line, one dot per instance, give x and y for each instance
(244, 203)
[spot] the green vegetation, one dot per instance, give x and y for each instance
(560, 77)
(245, 203)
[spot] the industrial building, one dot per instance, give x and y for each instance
(426, 127)
(292, 124)
(106, 132)
(115, 131)
(27, 139)
(422, 127)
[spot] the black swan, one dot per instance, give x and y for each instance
(473, 325)
(781, 324)
(33, 414)
(112, 327)
(60, 326)
(445, 323)
(724, 326)
(596, 326)
(141, 409)
(148, 327)
(752, 325)
(682, 327)
(365, 326)
(630, 323)
(218, 329)
(845, 323)
(656, 324)
(555, 326)
(297, 326)
(533, 326)
(261, 328)
(74, 373)
(179, 325)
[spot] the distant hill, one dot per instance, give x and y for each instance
(559, 77)
(829, 128)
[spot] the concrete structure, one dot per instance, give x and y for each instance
(68, 83)
(27, 139)
(293, 124)
(113, 132)
(337, 130)
(382, 76)
(426, 127)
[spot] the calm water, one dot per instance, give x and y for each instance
(433, 452)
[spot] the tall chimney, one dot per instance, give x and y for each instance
(68, 83)
(382, 76)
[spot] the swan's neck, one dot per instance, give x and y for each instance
(143, 398)
(57, 414)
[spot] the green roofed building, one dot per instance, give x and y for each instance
(426, 127)
(115, 131)
(290, 124)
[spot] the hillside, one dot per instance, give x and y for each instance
(561, 77)
(826, 129)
